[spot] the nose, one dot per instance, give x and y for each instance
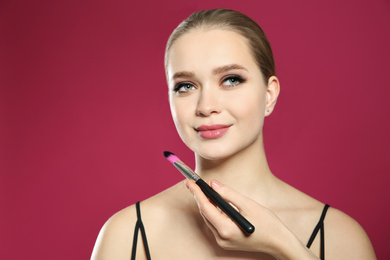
(208, 103)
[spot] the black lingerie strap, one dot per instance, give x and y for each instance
(139, 226)
(320, 226)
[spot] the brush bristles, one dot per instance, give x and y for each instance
(167, 154)
(171, 157)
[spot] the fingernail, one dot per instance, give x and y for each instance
(185, 182)
(216, 183)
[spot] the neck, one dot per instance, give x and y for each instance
(247, 171)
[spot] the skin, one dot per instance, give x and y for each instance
(202, 79)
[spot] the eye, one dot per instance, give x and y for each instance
(232, 81)
(183, 87)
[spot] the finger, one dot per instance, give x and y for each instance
(217, 220)
(213, 229)
(230, 195)
(204, 204)
(205, 218)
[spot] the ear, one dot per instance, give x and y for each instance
(273, 89)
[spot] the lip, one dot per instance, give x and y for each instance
(212, 131)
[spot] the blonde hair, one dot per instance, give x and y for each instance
(234, 21)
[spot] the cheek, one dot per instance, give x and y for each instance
(175, 114)
(250, 107)
(179, 115)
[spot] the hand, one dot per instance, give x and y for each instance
(270, 234)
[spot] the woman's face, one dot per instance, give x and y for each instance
(217, 93)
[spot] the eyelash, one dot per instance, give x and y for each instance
(236, 81)
(178, 86)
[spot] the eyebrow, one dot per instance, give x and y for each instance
(183, 74)
(215, 71)
(227, 68)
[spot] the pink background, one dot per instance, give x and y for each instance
(84, 116)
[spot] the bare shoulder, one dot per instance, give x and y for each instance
(345, 238)
(115, 237)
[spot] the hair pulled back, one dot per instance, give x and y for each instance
(233, 21)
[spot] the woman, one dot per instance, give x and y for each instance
(222, 84)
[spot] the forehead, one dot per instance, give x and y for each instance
(204, 49)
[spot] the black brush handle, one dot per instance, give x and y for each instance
(242, 222)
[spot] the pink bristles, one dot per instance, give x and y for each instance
(171, 157)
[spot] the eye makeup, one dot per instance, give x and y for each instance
(234, 80)
(187, 85)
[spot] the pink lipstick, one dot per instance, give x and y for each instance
(212, 131)
(234, 215)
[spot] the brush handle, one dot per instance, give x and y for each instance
(242, 222)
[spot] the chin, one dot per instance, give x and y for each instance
(214, 153)
(220, 151)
